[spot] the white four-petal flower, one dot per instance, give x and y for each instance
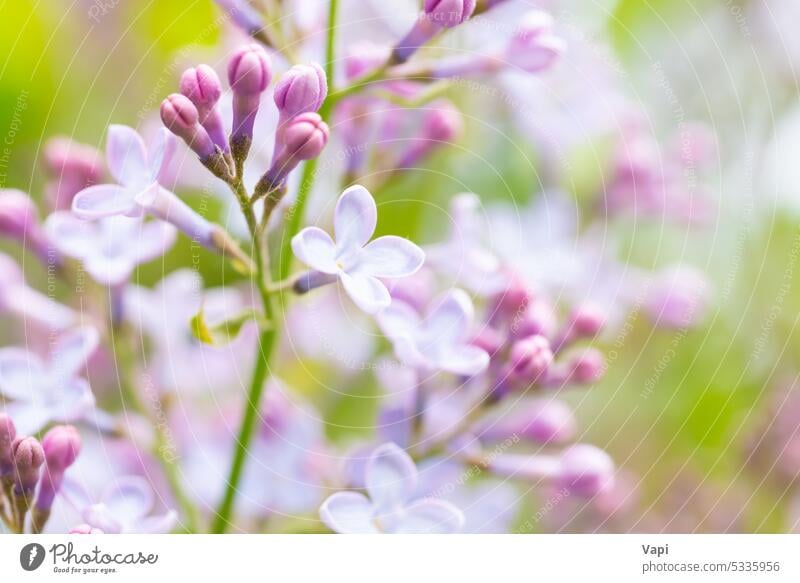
(135, 169)
(125, 509)
(353, 259)
(40, 392)
(440, 340)
(391, 481)
(109, 248)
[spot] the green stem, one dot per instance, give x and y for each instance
(264, 351)
(130, 397)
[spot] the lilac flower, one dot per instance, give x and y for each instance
(135, 168)
(440, 340)
(19, 221)
(111, 248)
(352, 259)
(29, 304)
(464, 256)
(391, 481)
(125, 507)
(534, 47)
(40, 392)
(139, 173)
(72, 166)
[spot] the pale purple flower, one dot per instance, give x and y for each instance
(125, 508)
(353, 259)
(678, 297)
(27, 303)
(534, 47)
(440, 340)
(136, 169)
(139, 172)
(110, 248)
(464, 255)
(391, 481)
(43, 392)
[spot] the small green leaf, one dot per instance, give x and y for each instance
(223, 332)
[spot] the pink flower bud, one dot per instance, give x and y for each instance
(443, 123)
(538, 420)
(678, 298)
(586, 470)
(180, 116)
(586, 321)
(510, 303)
(73, 167)
(8, 433)
(587, 368)
(306, 137)
(61, 445)
(539, 318)
(489, 340)
(19, 218)
(202, 86)
(28, 459)
(530, 358)
(249, 74)
(449, 13)
(303, 139)
(302, 89)
(534, 47)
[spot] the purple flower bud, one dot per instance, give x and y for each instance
(302, 89)
(180, 116)
(530, 358)
(678, 298)
(449, 13)
(587, 368)
(61, 445)
(249, 74)
(489, 340)
(19, 220)
(442, 123)
(539, 318)
(73, 167)
(202, 86)
(304, 138)
(8, 433)
(539, 420)
(586, 470)
(510, 303)
(534, 47)
(586, 321)
(28, 459)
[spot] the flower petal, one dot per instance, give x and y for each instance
(129, 499)
(464, 360)
(449, 320)
(153, 239)
(430, 516)
(126, 156)
(390, 478)
(368, 293)
(104, 200)
(29, 416)
(159, 524)
(162, 148)
(315, 248)
(21, 374)
(354, 219)
(72, 351)
(70, 401)
(391, 256)
(348, 513)
(108, 270)
(399, 319)
(70, 235)
(100, 516)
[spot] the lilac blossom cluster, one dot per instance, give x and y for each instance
(485, 341)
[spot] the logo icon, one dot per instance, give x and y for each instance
(31, 556)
